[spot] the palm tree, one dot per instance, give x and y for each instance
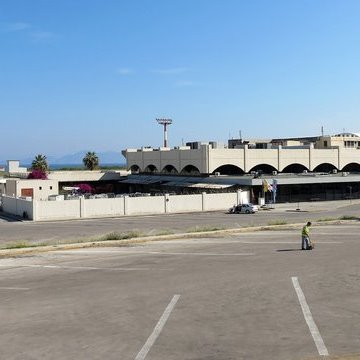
(40, 163)
(91, 160)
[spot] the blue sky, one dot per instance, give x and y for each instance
(94, 75)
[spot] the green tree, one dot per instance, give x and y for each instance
(91, 160)
(40, 163)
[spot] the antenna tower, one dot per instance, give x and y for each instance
(165, 123)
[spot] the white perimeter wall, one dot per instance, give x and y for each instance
(17, 206)
(96, 208)
(56, 210)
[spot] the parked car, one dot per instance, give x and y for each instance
(244, 208)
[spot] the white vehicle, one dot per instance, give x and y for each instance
(244, 208)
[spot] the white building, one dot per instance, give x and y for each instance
(325, 154)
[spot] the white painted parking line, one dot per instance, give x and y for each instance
(286, 242)
(14, 288)
(125, 253)
(197, 254)
(157, 330)
(78, 267)
(309, 319)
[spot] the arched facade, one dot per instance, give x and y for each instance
(150, 169)
(228, 169)
(169, 169)
(135, 169)
(264, 168)
(325, 167)
(190, 170)
(352, 167)
(208, 160)
(295, 169)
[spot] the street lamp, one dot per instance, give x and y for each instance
(165, 123)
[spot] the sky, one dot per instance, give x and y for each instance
(95, 75)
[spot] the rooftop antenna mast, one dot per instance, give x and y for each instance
(165, 123)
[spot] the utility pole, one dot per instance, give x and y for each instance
(165, 123)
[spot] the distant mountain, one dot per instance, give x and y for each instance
(106, 157)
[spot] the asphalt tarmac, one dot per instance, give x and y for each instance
(13, 231)
(225, 297)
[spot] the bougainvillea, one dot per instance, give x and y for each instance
(85, 188)
(37, 174)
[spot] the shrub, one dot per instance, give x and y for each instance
(85, 188)
(37, 174)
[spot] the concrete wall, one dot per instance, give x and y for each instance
(185, 203)
(103, 207)
(17, 206)
(95, 208)
(56, 210)
(211, 201)
(144, 205)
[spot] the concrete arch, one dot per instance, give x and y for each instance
(295, 168)
(135, 169)
(229, 169)
(325, 167)
(351, 167)
(263, 168)
(169, 169)
(190, 170)
(151, 169)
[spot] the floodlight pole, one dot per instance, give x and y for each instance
(165, 123)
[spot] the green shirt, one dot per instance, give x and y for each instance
(305, 231)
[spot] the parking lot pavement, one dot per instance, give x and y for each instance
(227, 297)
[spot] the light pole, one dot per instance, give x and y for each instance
(165, 123)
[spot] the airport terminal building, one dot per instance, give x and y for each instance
(303, 169)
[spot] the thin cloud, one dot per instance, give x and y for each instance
(28, 30)
(16, 26)
(170, 71)
(42, 36)
(124, 71)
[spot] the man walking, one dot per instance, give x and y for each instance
(305, 237)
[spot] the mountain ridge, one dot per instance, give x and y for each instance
(105, 157)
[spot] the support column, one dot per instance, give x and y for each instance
(279, 158)
(82, 206)
(238, 197)
(311, 149)
(203, 201)
(34, 210)
(246, 170)
(166, 202)
(125, 205)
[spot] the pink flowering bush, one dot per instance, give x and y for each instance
(85, 188)
(37, 174)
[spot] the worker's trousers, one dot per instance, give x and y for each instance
(305, 243)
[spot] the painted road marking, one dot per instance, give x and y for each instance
(285, 242)
(13, 288)
(309, 319)
(197, 254)
(125, 252)
(157, 330)
(77, 267)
